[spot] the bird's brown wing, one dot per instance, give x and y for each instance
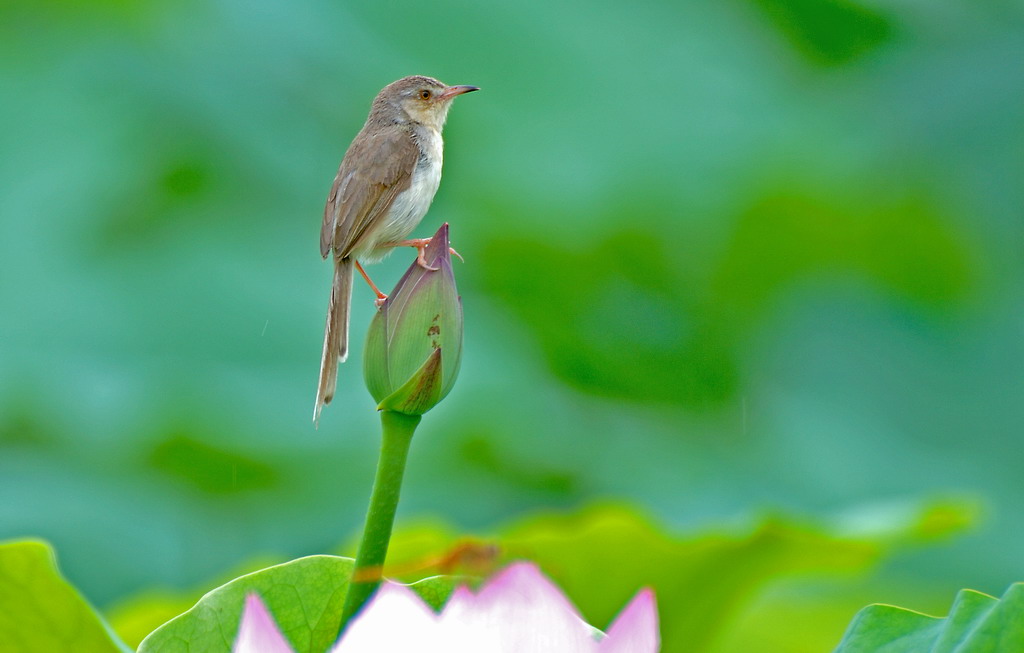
(376, 168)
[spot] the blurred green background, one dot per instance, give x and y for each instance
(723, 259)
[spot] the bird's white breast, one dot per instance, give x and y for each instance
(411, 204)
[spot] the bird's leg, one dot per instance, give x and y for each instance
(380, 296)
(421, 248)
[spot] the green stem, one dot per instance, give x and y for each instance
(397, 430)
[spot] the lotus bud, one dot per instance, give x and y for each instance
(414, 345)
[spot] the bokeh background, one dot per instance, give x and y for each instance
(724, 260)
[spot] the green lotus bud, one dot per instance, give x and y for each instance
(414, 346)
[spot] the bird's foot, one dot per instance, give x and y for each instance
(421, 249)
(380, 296)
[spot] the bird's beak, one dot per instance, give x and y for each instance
(452, 91)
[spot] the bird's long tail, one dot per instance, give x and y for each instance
(335, 334)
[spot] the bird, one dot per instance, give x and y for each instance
(384, 186)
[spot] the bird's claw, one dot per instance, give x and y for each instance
(421, 251)
(421, 256)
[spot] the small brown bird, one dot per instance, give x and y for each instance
(384, 186)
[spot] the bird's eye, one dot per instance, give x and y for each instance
(425, 94)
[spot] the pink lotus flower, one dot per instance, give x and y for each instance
(518, 610)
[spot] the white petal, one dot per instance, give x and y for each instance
(518, 610)
(258, 633)
(395, 619)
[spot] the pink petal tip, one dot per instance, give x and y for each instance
(258, 632)
(635, 630)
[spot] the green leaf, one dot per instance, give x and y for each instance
(830, 32)
(41, 611)
(436, 589)
(695, 319)
(134, 617)
(977, 623)
(304, 595)
(191, 459)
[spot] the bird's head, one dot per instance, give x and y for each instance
(419, 99)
